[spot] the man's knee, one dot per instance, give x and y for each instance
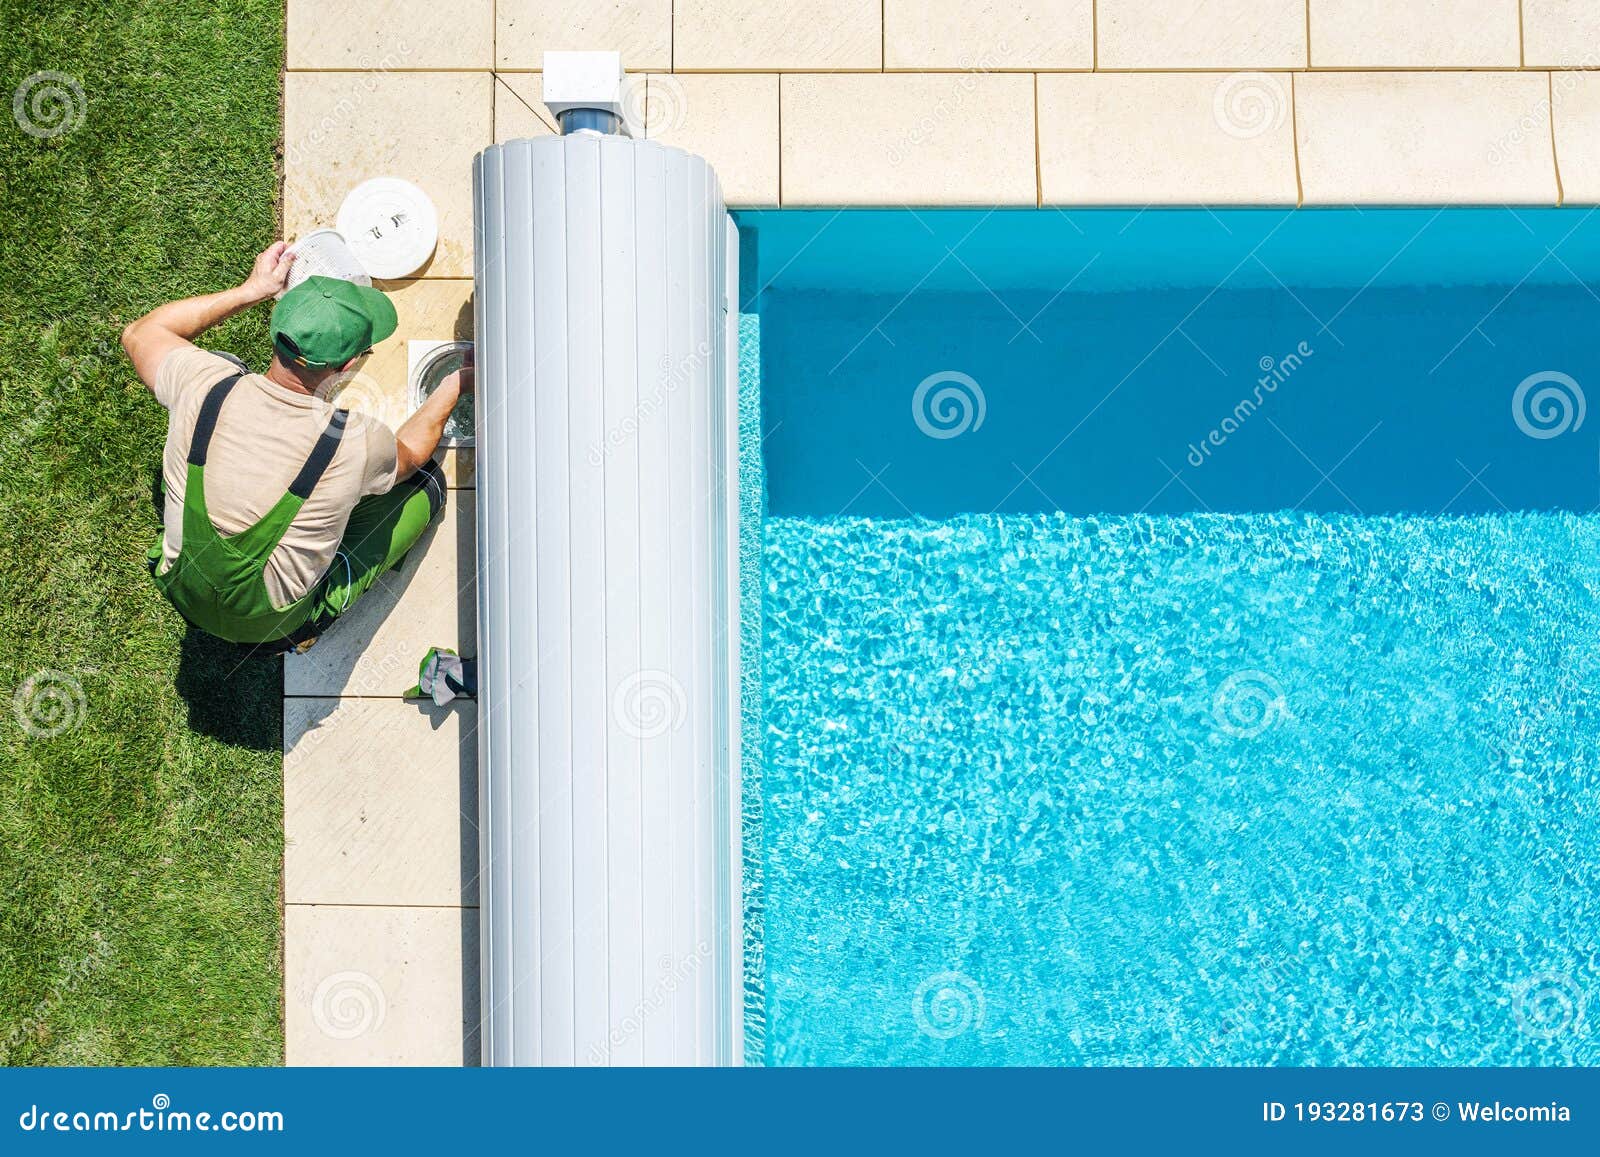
(429, 479)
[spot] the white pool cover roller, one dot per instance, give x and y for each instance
(607, 605)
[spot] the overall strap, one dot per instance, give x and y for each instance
(321, 454)
(206, 423)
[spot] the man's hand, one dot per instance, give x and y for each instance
(270, 273)
(174, 326)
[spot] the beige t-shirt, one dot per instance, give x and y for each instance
(263, 437)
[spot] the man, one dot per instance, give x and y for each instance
(280, 509)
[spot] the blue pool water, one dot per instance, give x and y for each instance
(1075, 750)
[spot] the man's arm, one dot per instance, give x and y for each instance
(418, 437)
(175, 325)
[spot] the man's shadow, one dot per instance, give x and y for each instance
(232, 696)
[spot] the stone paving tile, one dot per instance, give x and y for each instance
(380, 801)
(988, 35)
(731, 120)
(390, 35)
(1560, 34)
(1212, 34)
(1425, 138)
(519, 110)
(1577, 128)
(1174, 138)
(739, 35)
(639, 29)
(1419, 34)
(380, 985)
(908, 139)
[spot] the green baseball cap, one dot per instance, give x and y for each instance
(325, 322)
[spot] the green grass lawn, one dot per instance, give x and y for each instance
(140, 847)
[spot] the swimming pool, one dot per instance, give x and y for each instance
(1177, 637)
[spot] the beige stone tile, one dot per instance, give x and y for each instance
(380, 800)
(438, 309)
(1414, 34)
(340, 128)
(1561, 33)
(733, 35)
(639, 29)
(429, 600)
(908, 139)
(988, 35)
(519, 110)
(390, 35)
(1219, 34)
(1151, 138)
(1425, 137)
(730, 120)
(380, 986)
(1577, 125)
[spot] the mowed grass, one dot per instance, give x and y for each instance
(140, 844)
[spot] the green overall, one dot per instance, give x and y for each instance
(216, 582)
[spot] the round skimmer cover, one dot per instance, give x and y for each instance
(391, 225)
